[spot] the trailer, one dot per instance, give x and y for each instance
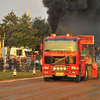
(16, 52)
(87, 42)
(62, 57)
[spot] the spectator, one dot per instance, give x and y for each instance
(24, 63)
(17, 64)
(1, 64)
(10, 63)
(28, 60)
(20, 65)
(32, 59)
(84, 51)
(14, 60)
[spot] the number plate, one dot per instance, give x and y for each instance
(59, 74)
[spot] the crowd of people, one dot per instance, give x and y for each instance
(18, 63)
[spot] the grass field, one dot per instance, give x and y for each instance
(9, 75)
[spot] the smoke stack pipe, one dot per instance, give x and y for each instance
(51, 34)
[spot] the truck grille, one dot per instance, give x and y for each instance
(60, 60)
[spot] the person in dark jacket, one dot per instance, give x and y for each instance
(1, 64)
(10, 63)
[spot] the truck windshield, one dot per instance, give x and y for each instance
(61, 45)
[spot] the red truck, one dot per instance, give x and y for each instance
(62, 58)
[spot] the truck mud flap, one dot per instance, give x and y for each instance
(95, 71)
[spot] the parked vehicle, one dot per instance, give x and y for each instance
(19, 53)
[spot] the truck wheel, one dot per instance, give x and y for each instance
(46, 79)
(85, 78)
(78, 77)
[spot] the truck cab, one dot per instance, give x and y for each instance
(62, 57)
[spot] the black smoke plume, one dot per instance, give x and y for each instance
(75, 16)
(67, 12)
(55, 11)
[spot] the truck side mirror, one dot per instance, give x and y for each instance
(41, 46)
(81, 47)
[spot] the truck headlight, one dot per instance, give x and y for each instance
(46, 71)
(46, 67)
(73, 67)
(65, 68)
(54, 68)
(58, 68)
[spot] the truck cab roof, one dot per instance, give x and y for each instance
(61, 38)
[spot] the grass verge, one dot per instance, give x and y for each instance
(9, 75)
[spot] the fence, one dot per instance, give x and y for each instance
(21, 64)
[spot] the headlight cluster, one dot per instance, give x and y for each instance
(74, 67)
(46, 71)
(59, 68)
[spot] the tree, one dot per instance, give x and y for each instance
(42, 26)
(9, 22)
(22, 34)
(21, 31)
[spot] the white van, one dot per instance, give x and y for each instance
(18, 52)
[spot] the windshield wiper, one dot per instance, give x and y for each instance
(59, 60)
(47, 50)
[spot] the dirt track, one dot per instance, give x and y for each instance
(37, 89)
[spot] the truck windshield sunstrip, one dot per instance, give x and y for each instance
(61, 45)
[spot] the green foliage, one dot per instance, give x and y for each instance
(42, 26)
(19, 31)
(9, 22)
(23, 31)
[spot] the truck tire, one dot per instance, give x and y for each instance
(46, 79)
(85, 78)
(78, 77)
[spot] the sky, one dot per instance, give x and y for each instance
(36, 8)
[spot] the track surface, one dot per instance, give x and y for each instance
(37, 89)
